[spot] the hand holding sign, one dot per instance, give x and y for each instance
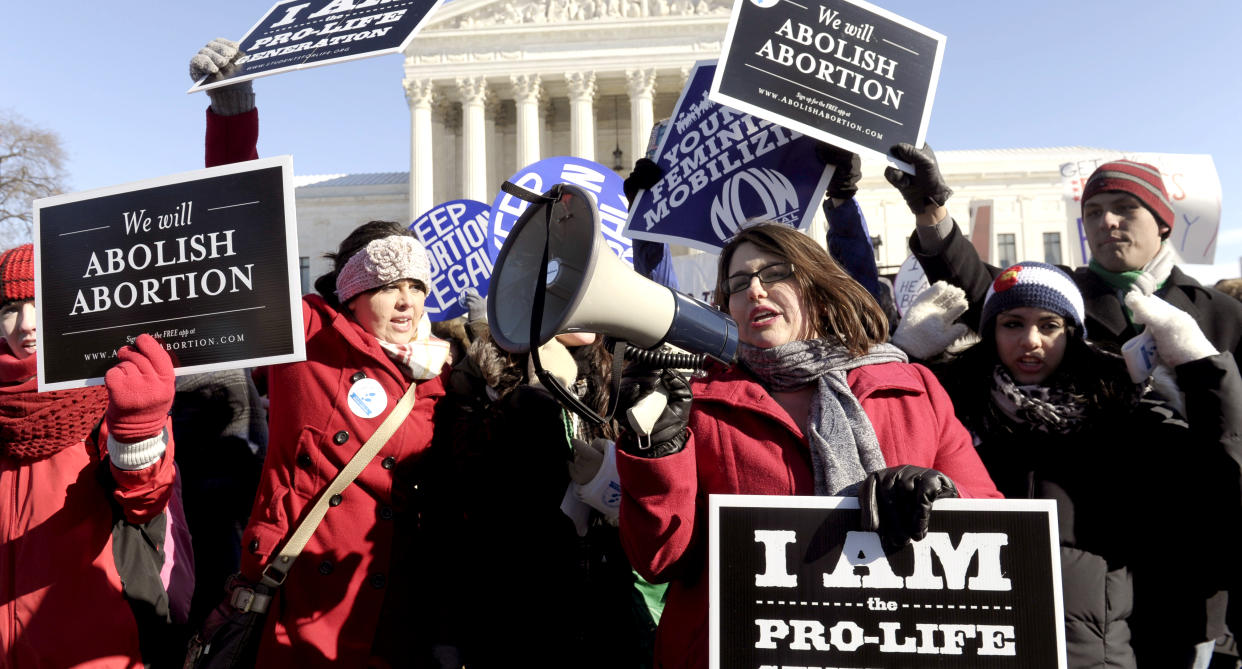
(140, 391)
(896, 503)
(926, 186)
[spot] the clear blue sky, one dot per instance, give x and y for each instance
(1145, 76)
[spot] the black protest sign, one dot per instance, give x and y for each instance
(297, 34)
(795, 583)
(844, 71)
(206, 262)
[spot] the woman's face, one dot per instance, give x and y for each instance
(17, 325)
(391, 312)
(769, 314)
(1030, 343)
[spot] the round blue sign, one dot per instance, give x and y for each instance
(455, 234)
(602, 183)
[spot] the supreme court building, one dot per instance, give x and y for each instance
(494, 85)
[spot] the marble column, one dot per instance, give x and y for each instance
(473, 94)
(641, 85)
(581, 114)
(526, 94)
(419, 93)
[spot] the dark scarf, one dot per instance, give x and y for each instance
(1045, 409)
(844, 448)
(35, 425)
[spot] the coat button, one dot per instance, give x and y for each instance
(326, 567)
(378, 581)
(254, 545)
(335, 501)
(304, 461)
(358, 376)
(389, 462)
(340, 437)
(385, 512)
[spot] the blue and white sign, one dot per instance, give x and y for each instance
(723, 168)
(602, 183)
(455, 234)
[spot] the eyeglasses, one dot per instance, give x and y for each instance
(778, 271)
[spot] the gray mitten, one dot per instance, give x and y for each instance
(217, 59)
(1178, 337)
(929, 326)
(475, 304)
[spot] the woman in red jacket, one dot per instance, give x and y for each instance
(66, 458)
(818, 405)
(348, 599)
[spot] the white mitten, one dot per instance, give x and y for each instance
(928, 326)
(557, 361)
(603, 491)
(1178, 337)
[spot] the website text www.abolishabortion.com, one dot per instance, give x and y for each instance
(176, 340)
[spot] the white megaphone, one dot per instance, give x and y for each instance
(555, 261)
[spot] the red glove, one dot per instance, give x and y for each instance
(140, 391)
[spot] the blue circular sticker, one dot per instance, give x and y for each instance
(455, 234)
(602, 183)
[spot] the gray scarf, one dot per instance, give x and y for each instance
(844, 448)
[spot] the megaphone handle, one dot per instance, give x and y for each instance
(645, 412)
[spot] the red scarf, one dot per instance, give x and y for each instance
(35, 425)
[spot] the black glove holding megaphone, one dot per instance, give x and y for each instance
(641, 393)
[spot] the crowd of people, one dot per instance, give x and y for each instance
(462, 517)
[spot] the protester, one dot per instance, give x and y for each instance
(355, 595)
(350, 599)
(538, 483)
(1127, 220)
(1057, 417)
(818, 404)
(87, 476)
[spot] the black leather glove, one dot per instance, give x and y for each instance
(644, 175)
(669, 433)
(896, 503)
(926, 186)
(848, 170)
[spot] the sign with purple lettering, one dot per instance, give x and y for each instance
(205, 261)
(845, 71)
(455, 234)
(602, 183)
(793, 582)
(297, 34)
(723, 168)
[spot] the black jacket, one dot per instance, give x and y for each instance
(1137, 490)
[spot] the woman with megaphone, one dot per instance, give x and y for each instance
(819, 404)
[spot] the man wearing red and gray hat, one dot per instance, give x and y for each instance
(1126, 218)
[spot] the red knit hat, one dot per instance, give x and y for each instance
(1138, 179)
(17, 274)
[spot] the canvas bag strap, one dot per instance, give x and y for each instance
(276, 570)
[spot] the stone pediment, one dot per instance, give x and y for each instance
(472, 14)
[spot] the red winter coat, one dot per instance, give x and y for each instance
(60, 596)
(327, 612)
(743, 442)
